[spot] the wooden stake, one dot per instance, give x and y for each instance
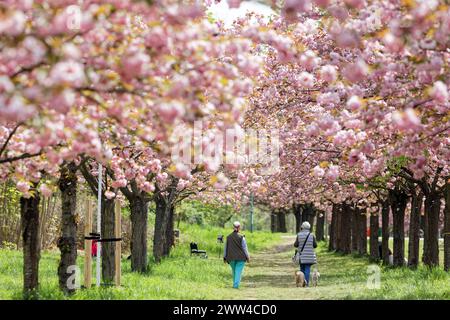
(88, 245)
(118, 234)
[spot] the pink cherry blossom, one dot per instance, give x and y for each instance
(135, 63)
(354, 124)
(234, 3)
(312, 130)
(292, 7)
(326, 122)
(339, 12)
(63, 101)
(309, 60)
(354, 103)
(306, 79)
(356, 72)
(156, 39)
(328, 98)
(6, 84)
(120, 183)
(162, 177)
(109, 194)
(13, 24)
(355, 3)
(182, 171)
(332, 173)
(439, 92)
(318, 172)
(328, 73)
(23, 186)
(406, 120)
(242, 177)
(148, 187)
(155, 165)
(222, 181)
(322, 3)
(16, 109)
(68, 72)
(354, 157)
(45, 190)
(393, 43)
(170, 112)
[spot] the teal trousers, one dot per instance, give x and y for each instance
(237, 266)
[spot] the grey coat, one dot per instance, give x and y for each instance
(308, 255)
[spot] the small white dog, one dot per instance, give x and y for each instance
(315, 278)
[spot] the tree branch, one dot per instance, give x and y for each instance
(436, 178)
(21, 157)
(9, 138)
(90, 179)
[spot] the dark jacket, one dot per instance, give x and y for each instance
(234, 249)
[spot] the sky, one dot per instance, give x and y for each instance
(221, 10)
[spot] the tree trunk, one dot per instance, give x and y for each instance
(107, 228)
(422, 223)
(332, 241)
(29, 214)
(339, 233)
(431, 239)
(345, 230)
(139, 220)
(399, 200)
(308, 215)
(273, 221)
(161, 224)
(374, 228)
(354, 227)
(282, 221)
(170, 237)
(447, 226)
(67, 243)
(385, 231)
(320, 226)
(362, 231)
(414, 226)
(108, 248)
(298, 216)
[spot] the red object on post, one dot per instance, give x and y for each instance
(94, 248)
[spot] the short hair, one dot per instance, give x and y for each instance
(306, 225)
(236, 224)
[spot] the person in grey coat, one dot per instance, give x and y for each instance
(307, 241)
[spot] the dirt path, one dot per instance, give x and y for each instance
(270, 275)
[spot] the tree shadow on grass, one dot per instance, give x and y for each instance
(274, 281)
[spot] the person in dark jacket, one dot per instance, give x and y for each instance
(236, 253)
(307, 241)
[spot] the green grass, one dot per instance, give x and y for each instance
(178, 277)
(270, 275)
(342, 277)
(395, 283)
(441, 249)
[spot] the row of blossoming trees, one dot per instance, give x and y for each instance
(357, 89)
(112, 82)
(364, 119)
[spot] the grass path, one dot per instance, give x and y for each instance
(270, 275)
